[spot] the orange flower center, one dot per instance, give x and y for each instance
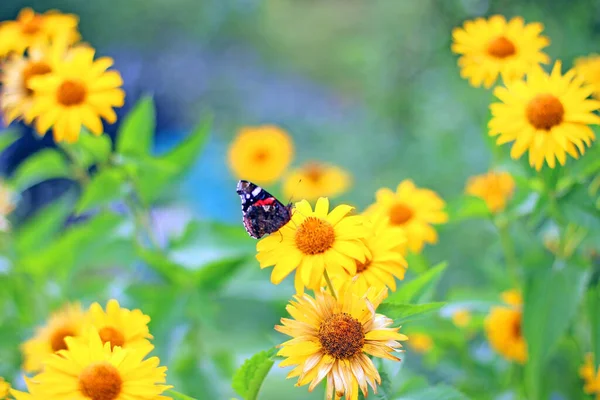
(501, 47)
(100, 381)
(341, 336)
(71, 93)
(57, 339)
(261, 156)
(32, 69)
(516, 328)
(314, 236)
(313, 172)
(400, 214)
(545, 111)
(31, 25)
(108, 334)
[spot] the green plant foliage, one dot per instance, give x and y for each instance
(249, 378)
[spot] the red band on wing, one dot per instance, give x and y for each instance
(265, 202)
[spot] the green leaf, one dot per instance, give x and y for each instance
(467, 207)
(136, 133)
(104, 187)
(593, 309)
(215, 275)
(40, 166)
(421, 288)
(402, 313)
(8, 137)
(548, 293)
(89, 149)
(249, 378)
(384, 391)
(161, 264)
(437, 392)
(178, 396)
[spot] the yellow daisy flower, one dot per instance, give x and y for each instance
(495, 188)
(4, 389)
(331, 339)
(49, 339)
(260, 154)
(589, 68)
(591, 376)
(120, 326)
(461, 317)
(314, 180)
(78, 91)
(385, 260)
(503, 327)
(90, 370)
(420, 342)
(548, 115)
(493, 47)
(31, 28)
(312, 241)
(414, 210)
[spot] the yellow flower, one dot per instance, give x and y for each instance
(385, 260)
(66, 322)
(503, 328)
(312, 241)
(314, 180)
(31, 28)
(493, 47)
(260, 154)
(591, 376)
(90, 370)
(547, 115)
(420, 342)
(414, 210)
(495, 188)
(120, 326)
(589, 68)
(4, 389)
(77, 92)
(331, 339)
(461, 317)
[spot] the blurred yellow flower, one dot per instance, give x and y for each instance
(495, 188)
(90, 370)
(589, 68)
(49, 339)
(260, 154)
(385, 262)
(548, 115)
(314, 180)
(591, 376)
(4, 388)
(78, 91)
(414, 210)
(120, 326)
(420, 342)
(313, 241)
(503, 327)
(31, 28)
(493, 47)
(331, 339)
(461, 317)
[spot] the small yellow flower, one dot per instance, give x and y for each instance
(4, 389)
(589, 68)
(87, 369)
(314, 180)
(120, 326)
(591, 376)
(260, 154)
(49, 339)
(313, 241)
(31, 28)
(414, 210)
(77, 92)
(495, 188)
(461, 317)
(331, 339)
(503, 328)
(420, 342)
(549, 115)
(493, 47)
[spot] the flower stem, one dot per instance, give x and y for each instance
(510, 256)
(329, 285)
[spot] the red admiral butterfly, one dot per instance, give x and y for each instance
(262, 212)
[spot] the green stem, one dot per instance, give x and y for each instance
(510, 256)
(329, 285)
(142, 222)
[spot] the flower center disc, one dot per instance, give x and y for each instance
(314, 172)
(501, 47)
(71, 93)
(261, 156)
(545, 111)
(400, 214)
(314, 236)
(112, 335)
(516, 328)
(34, 69)
(31, 26)
(100, 381)
(57, 340)
(341, 336)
